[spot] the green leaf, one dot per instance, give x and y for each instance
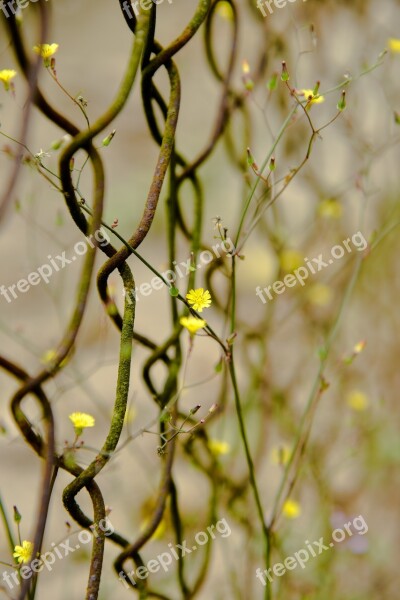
(218, 366)
(174, 292)
(272, 83)
(17, 515)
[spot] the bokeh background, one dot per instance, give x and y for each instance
(350, 184)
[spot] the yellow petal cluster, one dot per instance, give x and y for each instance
(311, 97)
(291, 509)
(225, 10)
(192, 324)
(219, 448)
(330, 209)
(290, 260)
(357, 400)
(394, 45)
(280, 455)
(6, 75)
(45, 50)
(320, 294)
(199, 299)
(80, 421)
(23, 553)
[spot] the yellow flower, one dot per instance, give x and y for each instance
(80, 421)
(23, 553)
(291, 509)
(248, 82)
(311, 97)
(199, 299)
(192, 324)
(331, 209)
(357, 400)
(46, 51)
(320, 294)
(218, 447)
(394, 45)
(359, 347)
(245, 67)
(225, 10)
(5, 76)
(280, 455)
(290, 260)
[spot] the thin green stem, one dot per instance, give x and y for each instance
(4, 516)
(252, 474)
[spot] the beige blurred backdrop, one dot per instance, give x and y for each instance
(93, 48)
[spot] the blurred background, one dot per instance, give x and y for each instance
(350, 184)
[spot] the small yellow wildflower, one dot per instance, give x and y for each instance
(46, 51)
(280, 455)
(23, 553)
(217, 447)
(290, 260)
(320, 294)
(394, 45)
(225, 10)
(357, 400)
(199, 299)
(331, 209)
(291, 509)
(5, 76)
(80, 421)
(359, 347)
(311, 97)
(192, 324)
(248, 82)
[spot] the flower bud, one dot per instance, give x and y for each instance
(341, 105)
(285, 73)
(107, 140)
(17, 515)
